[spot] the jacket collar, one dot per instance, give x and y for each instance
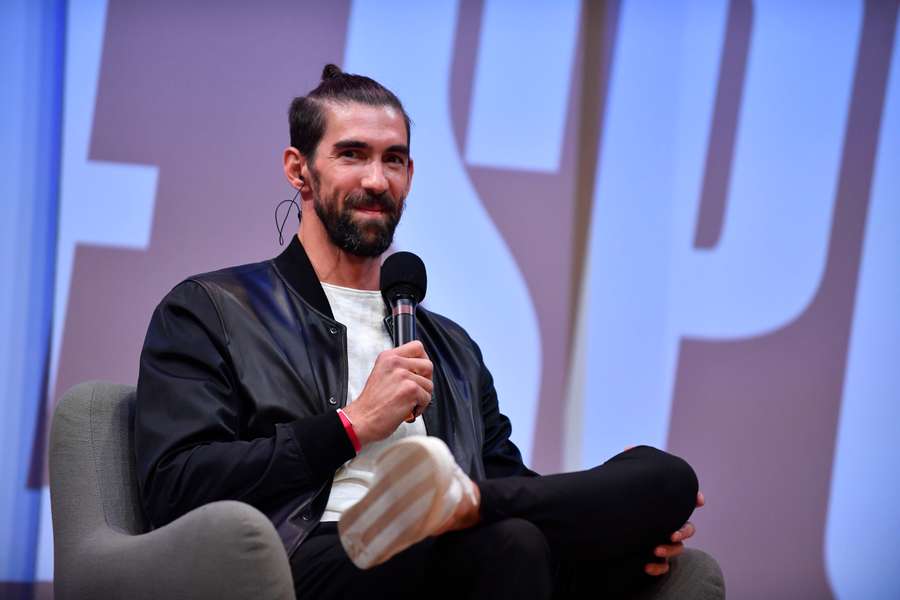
(294, 266)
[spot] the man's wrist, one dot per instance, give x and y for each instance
(359, 420)
(351, 432)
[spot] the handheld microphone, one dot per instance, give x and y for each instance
(403, 285)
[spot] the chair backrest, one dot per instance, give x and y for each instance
(93, 483)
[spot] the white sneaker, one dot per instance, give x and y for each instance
(416, 488)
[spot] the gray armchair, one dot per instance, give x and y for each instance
(222, 550)
(101, 545)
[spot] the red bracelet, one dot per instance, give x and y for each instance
(348, 427)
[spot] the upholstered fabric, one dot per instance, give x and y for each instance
(101, 549)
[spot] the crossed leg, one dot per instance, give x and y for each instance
(507, 559)
(630, 503)
(587, 532)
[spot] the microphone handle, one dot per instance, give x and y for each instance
(404, 315)
(404, 329)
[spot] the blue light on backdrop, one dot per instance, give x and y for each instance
(31, 61)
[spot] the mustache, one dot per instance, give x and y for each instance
(364, 200)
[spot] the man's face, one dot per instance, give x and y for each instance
(360, 176)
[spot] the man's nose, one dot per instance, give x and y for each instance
(374, 179)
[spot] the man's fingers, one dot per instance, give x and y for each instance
(700, 499)
(656, 569)
(423, 396)
(686, 531)
(419, 366)
(413, 349)
(423, 399)
(425, 383)
(668, 550)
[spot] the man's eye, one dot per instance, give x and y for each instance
(395, 159)
(349, 154)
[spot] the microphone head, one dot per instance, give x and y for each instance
(403, 274)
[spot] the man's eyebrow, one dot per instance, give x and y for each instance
(357, 144)
(399, 149)
(344, 144)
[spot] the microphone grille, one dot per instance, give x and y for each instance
(403, 273)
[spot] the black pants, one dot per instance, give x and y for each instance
(572, 535)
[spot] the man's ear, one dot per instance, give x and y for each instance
(294, 167)
(409, 174)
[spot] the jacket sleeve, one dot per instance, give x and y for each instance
(188, 444)
(500, 455)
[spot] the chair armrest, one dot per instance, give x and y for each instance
(222, 550)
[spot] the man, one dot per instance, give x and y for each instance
(276, 384)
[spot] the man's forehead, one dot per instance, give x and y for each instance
(353, 119)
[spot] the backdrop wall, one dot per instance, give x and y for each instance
(687, 214)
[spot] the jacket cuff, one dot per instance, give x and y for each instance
(324, 443)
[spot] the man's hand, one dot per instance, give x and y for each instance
(400, 383)
(667, 551)
(466, 515)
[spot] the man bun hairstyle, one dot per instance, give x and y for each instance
(306, 116)
(331, 71)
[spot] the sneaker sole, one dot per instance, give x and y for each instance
(403, 506)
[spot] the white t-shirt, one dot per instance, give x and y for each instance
(363, 313)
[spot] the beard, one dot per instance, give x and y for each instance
(368, 238)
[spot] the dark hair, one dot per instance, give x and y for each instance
(307, 117)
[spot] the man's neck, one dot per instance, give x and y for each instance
(335, 266)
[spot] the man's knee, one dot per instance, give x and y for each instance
(673, 479)
(520, 540)
(505, 559)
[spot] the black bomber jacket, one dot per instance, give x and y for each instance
(241, 374)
